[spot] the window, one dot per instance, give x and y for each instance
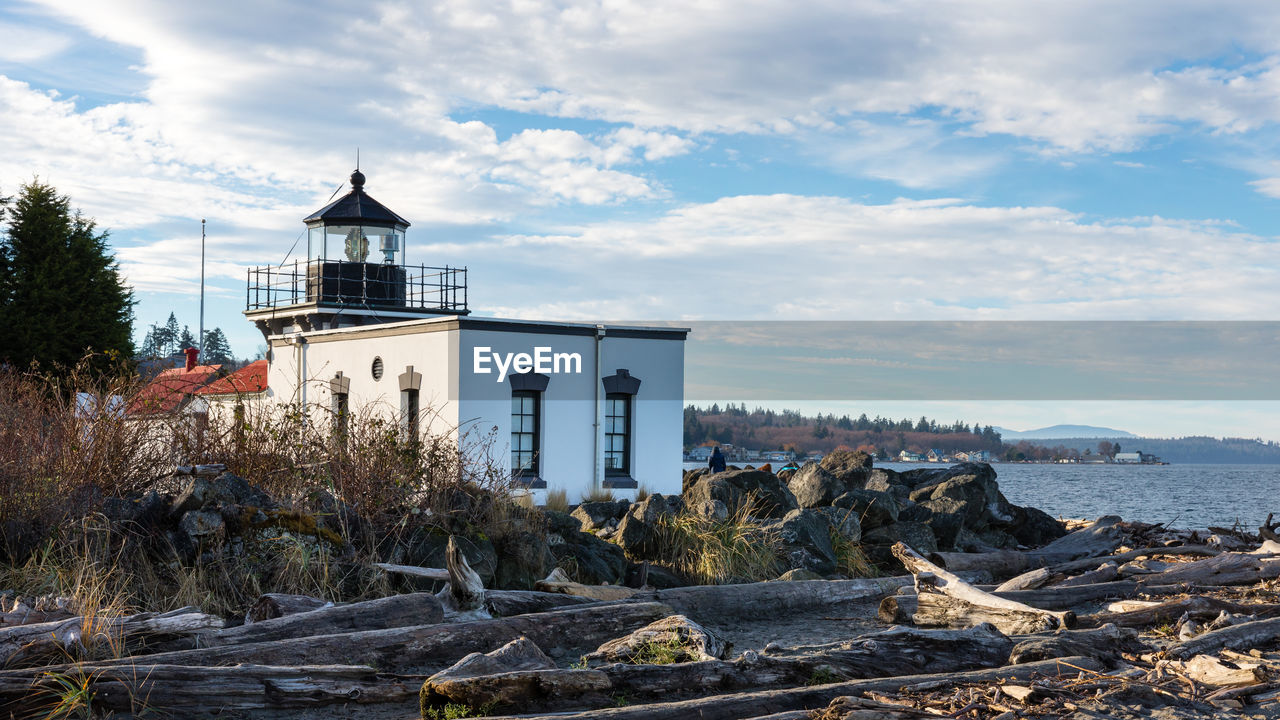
(341, 415)
(617, 434)
(410, 411)
(524, 433)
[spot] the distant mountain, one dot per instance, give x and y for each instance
(1054, 432)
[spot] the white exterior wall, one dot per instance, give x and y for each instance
(570, 453)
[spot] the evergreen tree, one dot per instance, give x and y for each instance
(62, 290)
(186, 339)
(217, 351)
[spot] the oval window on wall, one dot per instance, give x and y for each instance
(377, 368)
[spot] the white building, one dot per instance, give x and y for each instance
(574, 406)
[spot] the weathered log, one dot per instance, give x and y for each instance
(440, 574)
(27, 644)
(1197, 608)
(206, 690)
(1105, 573)
(678, 636)
(855, 708)
(592, 592)
(1100, 538)
(1119, 558)
(464, 598)
(1029, 580)
(274, 605)
(892, 652)
(1244, 636)
(211, 470)
(750, 704)
(1000, 563)
(936, 610)
(897, 609)
(389, 612)
(1208, 670)
(1007, 563)
(1268, 529)
(505, 603)
(429, 648)
(706, 603)
(1010, 616)
(1224, 569)
(1104, 644)
(27, 616)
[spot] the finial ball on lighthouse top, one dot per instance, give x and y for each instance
(357, 180)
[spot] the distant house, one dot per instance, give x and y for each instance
(1128, 457)
(979, 456)
(233, 396)
(702, 453)
(779, 456)
(171, 392)
(908, 456)
(934, 455)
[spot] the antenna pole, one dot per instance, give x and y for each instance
(201, 343)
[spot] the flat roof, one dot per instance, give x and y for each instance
(445, 323)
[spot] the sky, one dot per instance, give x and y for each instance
(653, 161)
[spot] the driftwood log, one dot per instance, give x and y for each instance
(1101, 538)
(207, 690)
(1244, 636)
(389, 612)
(706, 603)
(944, 600)
(274, 605)
(27, 644)
(430, 648)
(464, 598)
(1104, 644)
(897, 651)
(764, 703)
(1196, 608)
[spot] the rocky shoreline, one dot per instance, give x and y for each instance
(977, 608)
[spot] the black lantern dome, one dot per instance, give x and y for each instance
(346, 228)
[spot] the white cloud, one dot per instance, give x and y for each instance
(24, 44)
(1268, 186)
(796, 257)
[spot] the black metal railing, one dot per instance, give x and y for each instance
(339, 282)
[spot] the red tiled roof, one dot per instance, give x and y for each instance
(167, 391)
(251, 378)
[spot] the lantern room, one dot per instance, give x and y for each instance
(356, 228)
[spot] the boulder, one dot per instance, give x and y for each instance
(524, 556)
(926, 477)
(814, 486)
(945, 524)
(587, 558)
(769, 496)
(974, 496)
(673, 639)
(713, 510)
(916, 535)
(1034, 527)
(874, 509)
(844, 520)
(596, 515)
(638, 533)
(806, 537)
(798, 574)
(656, 577)
(691, 476)
(890, 481)
(852, 469)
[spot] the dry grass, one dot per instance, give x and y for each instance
(712, 552)
(61, 460)
(598, 495)
(557, 500)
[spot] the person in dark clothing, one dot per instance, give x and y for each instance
(716, 463)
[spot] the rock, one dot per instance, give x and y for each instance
(524, 557)
(770, 497)
(945, 524)
(202, 526)
(915, 535)
(587, 558)
(656, 577)
(192, 497)
(873, 508)
(672, 639)
(231, 489)
(928, 477)
(851, 469)
(709, 510)
(890, 481)
(427, 546)
(596, 515)
(813, 486)
(844, 520)
(638, 533)
(806, 536)
(1034, 527)
(690, 477)
(797, 574)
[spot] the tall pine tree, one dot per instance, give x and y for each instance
(61, 293)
